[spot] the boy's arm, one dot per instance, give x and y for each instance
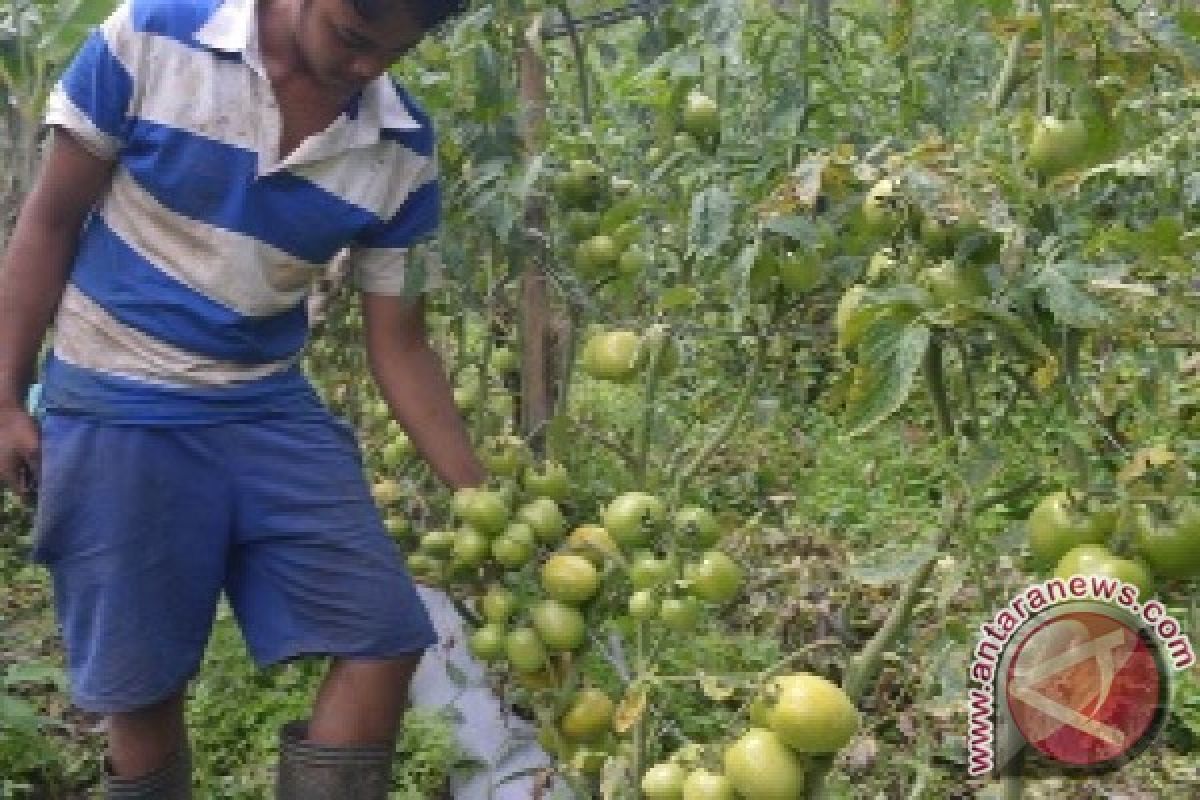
(413, 382)
(32, 277)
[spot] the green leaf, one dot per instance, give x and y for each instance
(34, 673)
(17, 714)
(678, 297)
(892, 352)
(711, 221)
(891, 563)
(794, 227)
(1070, 305)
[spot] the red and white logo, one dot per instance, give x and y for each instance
(1085, 688)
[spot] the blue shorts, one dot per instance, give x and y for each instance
(143, 527)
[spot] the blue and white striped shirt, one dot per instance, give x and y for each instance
(186, 300)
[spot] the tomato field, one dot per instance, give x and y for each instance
(797, 337)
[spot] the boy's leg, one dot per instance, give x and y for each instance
(361, 701)
(143, 741)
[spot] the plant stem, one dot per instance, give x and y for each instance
(1010, 75)
(935, 380)
(1046, 84)
(730, 424)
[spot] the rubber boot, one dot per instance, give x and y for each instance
(309, 771)
(172, 781)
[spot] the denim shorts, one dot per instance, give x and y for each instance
(142, 528)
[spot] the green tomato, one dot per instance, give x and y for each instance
(811, 714)
(524, 650)
(503, 360)
(543, 516)
(589, 716)
(498, 604)
(882, 208)
(632, 517)
(680, 614)
(761, 767)
(1098, 561)
(439, 543)
(1058, 145)
(643, 605)
(511, 552)
(664, 781)
(701, 784)
(597, 255)
(560, 626)
(716, 578)
(801, 272)
(612, 356)
(701, 116)
(484, 510)
(504, 455)
(398, 450)
(487, 643)
(570, 578)
(1057, 525)
(648, 572)
(550, 481)
(1172, 545)
(470, 548)
(697, 526)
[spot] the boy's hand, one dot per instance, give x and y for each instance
(20, 452)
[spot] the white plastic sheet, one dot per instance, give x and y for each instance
(504, 744)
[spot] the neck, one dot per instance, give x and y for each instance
(277, 39)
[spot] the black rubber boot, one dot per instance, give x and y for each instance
(172, 781)
(310, 771)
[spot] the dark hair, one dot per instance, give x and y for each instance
(429, 13)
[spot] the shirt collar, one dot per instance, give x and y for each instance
(233, 28)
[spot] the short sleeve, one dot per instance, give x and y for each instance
(399, 255)
(92, 99)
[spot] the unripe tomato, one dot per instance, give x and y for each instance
(466, 398)
(504, 455)
(386, 492)
(882, 208)
(558, 625)
(503, 360)
(498, 604)
(949, 284)
(470, 548)
(582, 224)
(701, 784)
(800, 272)
(697, 526)
(1098, 561)
(811, 714)
(643, 605)
(1081, 560)
(398, 527)
(612, 356)
(570, 578)
(716, 578)
(1057, 525)
(1058, 145)
(484, 510)
(647, 572)
(524, 650)
(597, 255)
(664, 781)
(487, 643)
(584, 185)
(438, 543)
(589, 717)
(543, 516)
(632, 517)
(550, 481)
(593, 543)
(511, 552)
(398, 449)
(1172, 545)
(701, 116)
(633, 262)
(680, 613)
(761, 767)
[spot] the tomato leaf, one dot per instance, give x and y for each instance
(892, 352)
(711, 221)
(1070, 305)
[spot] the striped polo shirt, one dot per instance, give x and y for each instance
(186, 301)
